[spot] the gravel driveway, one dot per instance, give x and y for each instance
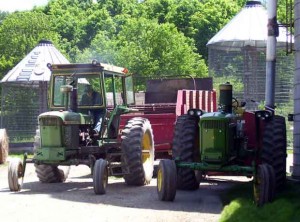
(75, 200)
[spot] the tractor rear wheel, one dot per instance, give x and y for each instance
(185, 148)
(138, 147)
(15, 174)
(274, 149)
(263, 184)
(100, 176)
(166, 180)
(48, 173)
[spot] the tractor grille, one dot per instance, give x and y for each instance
(214, 124)
(50, 121)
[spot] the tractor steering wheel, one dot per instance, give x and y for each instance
(235, 103)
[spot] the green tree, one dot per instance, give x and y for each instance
(119, 7)
(148, 49)
(157, 9)
(19, 34)
(3, 15)
(181, 15)
(211, 17)
(70, 20)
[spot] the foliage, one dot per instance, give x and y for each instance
(19, 33)
(115, 29)
(282, 15)
(237, 84)
(148, 49)
(211, 17)
(3, 15)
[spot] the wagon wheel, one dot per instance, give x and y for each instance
(100, 176)
(166, 180)
(15, 174)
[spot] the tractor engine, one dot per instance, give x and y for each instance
(222, 133)
(57, 132)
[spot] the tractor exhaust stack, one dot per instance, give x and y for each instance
(273, 32)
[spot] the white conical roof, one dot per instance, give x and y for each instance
(34, 66)
(247, 28)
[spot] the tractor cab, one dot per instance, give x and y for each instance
(84, 98)
(90, 92)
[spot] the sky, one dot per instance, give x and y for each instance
(20, 5)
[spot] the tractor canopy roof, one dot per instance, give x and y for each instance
(94, 67)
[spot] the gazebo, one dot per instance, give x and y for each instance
(238, 52)
(24, 91)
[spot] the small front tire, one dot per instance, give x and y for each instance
(264, 184)
(15, 174)
(100, 176)
(166, 180)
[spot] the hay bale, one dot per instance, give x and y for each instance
(3, 146)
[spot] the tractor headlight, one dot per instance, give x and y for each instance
(199, 112)
(191, 112)
(195, 112)
(263, 114)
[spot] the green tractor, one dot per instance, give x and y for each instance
(87, 102)
(231, 141)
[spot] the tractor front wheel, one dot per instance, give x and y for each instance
(100, 176)
(49, 174)
(15, 174)
(264, 184)
(138, 147)
(166, 180)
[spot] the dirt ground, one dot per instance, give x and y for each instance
(75, 200)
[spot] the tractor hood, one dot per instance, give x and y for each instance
(68, 117)
(217, 115)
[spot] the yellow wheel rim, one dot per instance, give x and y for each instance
(159, 180)
(105, 178)
(146, 147)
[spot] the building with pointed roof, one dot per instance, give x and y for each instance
(24, 91)
(238, 52)
(247, 29)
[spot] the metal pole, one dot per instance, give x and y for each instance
(296, 149)
(271, 53)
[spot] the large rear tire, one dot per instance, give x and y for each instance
(166, 180)
(186, 149)
(274, 149)
(138, 147)
(48, 173)
(100, 176)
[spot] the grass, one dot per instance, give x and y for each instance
(16, 155)
(239, 205)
